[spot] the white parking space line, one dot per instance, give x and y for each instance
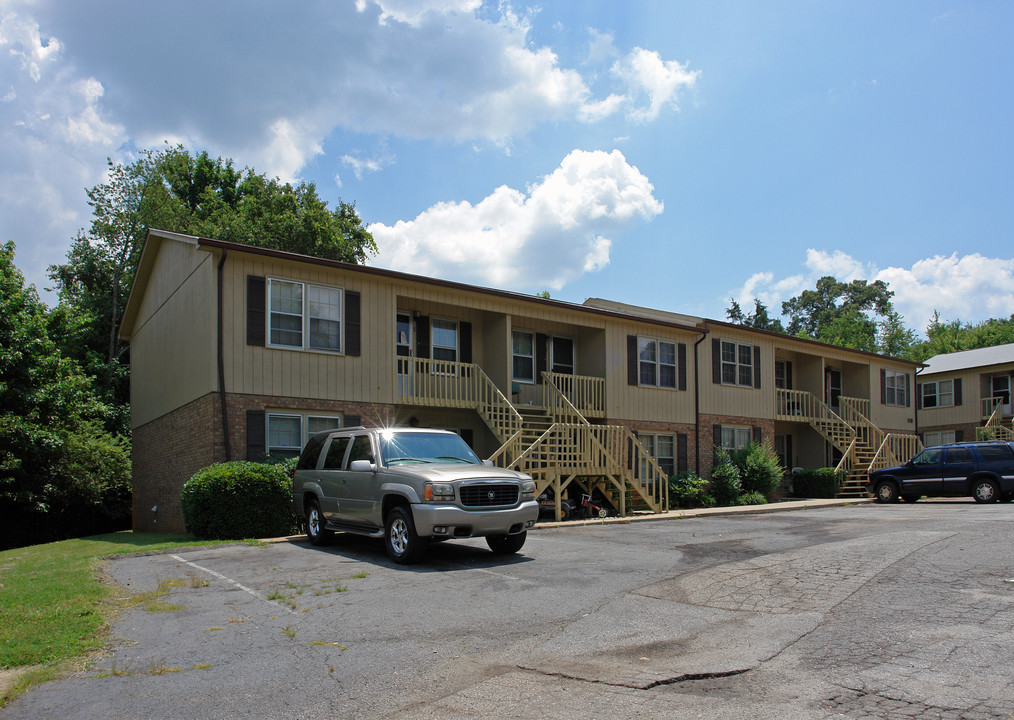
(229, 580)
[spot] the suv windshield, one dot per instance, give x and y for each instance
(421, 447)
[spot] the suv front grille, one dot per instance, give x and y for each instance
(486, 495)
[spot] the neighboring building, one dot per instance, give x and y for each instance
(965, 395)
(239, 351)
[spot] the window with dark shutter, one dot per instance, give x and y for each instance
(756, 367)
(957, 391)
(353, 333)
(682, 455)
(631, 359)
(255, 310)
(255, 434)
(465, 341)
(682, 354)
(716, 361)
(351, 421)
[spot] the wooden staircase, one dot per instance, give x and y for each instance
(994, 429)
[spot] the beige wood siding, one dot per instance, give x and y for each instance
(734, 400)
(650, 404)
(969, 412)
(173, 341)
(892, 418)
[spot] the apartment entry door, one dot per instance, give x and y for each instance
(999, 386)
(403, 349)
(833, 388)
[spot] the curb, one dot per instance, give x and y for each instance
(710, 512)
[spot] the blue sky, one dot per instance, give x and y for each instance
(667, 154)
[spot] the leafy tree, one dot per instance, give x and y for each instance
(955, 336)
(61, 472)
(170, 189)
(759, 319)
(812, 311)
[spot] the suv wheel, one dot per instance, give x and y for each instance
(886, 492)
(985, 491)
(315, 530)
(506, 544)
(403, 545)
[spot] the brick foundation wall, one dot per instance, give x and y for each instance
(708, 441)
(167, 451)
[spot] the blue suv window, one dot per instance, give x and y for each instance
(995, 453)
(957, 456)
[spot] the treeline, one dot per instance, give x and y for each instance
(65, 373)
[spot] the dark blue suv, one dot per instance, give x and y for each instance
(983, 470)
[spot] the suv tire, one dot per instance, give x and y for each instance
(886, 492)
(506, 544)
(985, 491)
(316, 533)
(402, 544)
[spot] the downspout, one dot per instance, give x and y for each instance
(221, 364)
(697, 402)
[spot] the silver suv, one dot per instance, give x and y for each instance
(409, 485)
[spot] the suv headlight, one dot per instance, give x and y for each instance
(528, 490)
(438, 491)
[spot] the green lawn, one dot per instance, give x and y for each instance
(53, 607)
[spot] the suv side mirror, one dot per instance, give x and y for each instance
(362, 466)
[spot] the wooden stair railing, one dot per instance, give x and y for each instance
(994, 428)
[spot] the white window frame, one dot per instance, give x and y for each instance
(737, 366)
(940, 397)
(894, 388)
(655, 362)
(334, 421)
(433, 340)
(279, 449)
(650, 443)
(515, 354)
(739, 437)
(944, 437)
(306, 316)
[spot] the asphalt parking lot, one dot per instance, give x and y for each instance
(854, 611)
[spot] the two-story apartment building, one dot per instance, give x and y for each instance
(238, 352)
(966, 395)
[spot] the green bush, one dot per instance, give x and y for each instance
(759, 469)
(725, 483)
(818, 483)
(751, 498)
(687, 490)
(235, 500)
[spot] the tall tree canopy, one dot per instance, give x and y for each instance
(955, 336)
(759, 318)
(170, 189)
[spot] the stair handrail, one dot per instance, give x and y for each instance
(990, 407)
(561, 409)
(853, 415)
(806, 407)
(896, 449)
(995, 425)
(848, 459)
(511, 448)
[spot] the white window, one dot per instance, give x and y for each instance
(523, 344)
(445, 340)
(285, 435)
(894, 388)
(736, 437)
(938, 394)
(663, 449)
(737, 364)
(657, 363)
(295, 306)
(288, 432)
(930, 439)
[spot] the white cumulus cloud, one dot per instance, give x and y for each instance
(970, 288)
(542, 238)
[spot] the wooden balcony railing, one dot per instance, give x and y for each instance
(586, 394)
(557, 403)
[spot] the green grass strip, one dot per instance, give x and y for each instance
(53, 607)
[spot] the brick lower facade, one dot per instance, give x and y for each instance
(168, 451)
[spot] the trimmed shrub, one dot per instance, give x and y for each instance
(818, 483)
(751, 498)
(725, 484)
(687, 490)
(759, 469)
(235, 500)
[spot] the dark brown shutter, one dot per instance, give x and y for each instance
(682, 459)
(756, 366)
(255, 434)
(422, 337)
(541, 356)
(353, 331)
(883, 386)
(918, 396)
(959, 436)
(957, 391)
(716, 435)
(631, 359)
(465, 341)
(255, 310)
(468, 436)
(681, 355)
(908, 391)
(757, 435)
(716, 361)
(351, 421)
(788, 375)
